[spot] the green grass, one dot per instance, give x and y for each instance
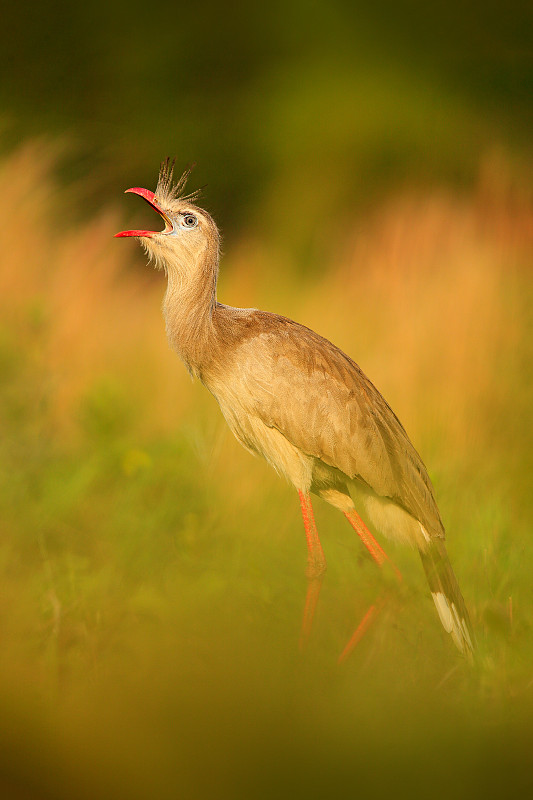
(149, 638)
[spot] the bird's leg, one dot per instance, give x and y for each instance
(316, 566)
(361, 629)
(372, 545)
(380, 557)
(316, 561)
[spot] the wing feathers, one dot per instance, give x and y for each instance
(322, 402)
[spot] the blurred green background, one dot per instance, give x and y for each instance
(370, 166)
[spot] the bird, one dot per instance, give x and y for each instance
(294, 398)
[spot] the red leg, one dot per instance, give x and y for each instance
(380, 557)
(316, 561)
(374, 548)
(316, 566)
(361, 629)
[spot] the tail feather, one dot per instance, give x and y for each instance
(447, 596)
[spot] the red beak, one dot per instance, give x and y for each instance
(149, 196)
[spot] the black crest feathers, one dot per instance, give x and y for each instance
(166, 191)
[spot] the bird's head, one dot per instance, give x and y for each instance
(190, 234)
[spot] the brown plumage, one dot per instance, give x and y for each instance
(291, 396)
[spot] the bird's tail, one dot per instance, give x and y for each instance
(447, 596)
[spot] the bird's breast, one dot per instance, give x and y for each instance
(237, 405)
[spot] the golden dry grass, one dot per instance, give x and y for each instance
(424, 291)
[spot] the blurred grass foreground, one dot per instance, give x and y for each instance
(153, 573)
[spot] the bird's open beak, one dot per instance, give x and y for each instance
(149, 196)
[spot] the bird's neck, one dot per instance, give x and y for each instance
(188, 308)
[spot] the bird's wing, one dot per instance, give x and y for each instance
(322, 402)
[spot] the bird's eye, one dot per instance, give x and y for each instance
(189, 221)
